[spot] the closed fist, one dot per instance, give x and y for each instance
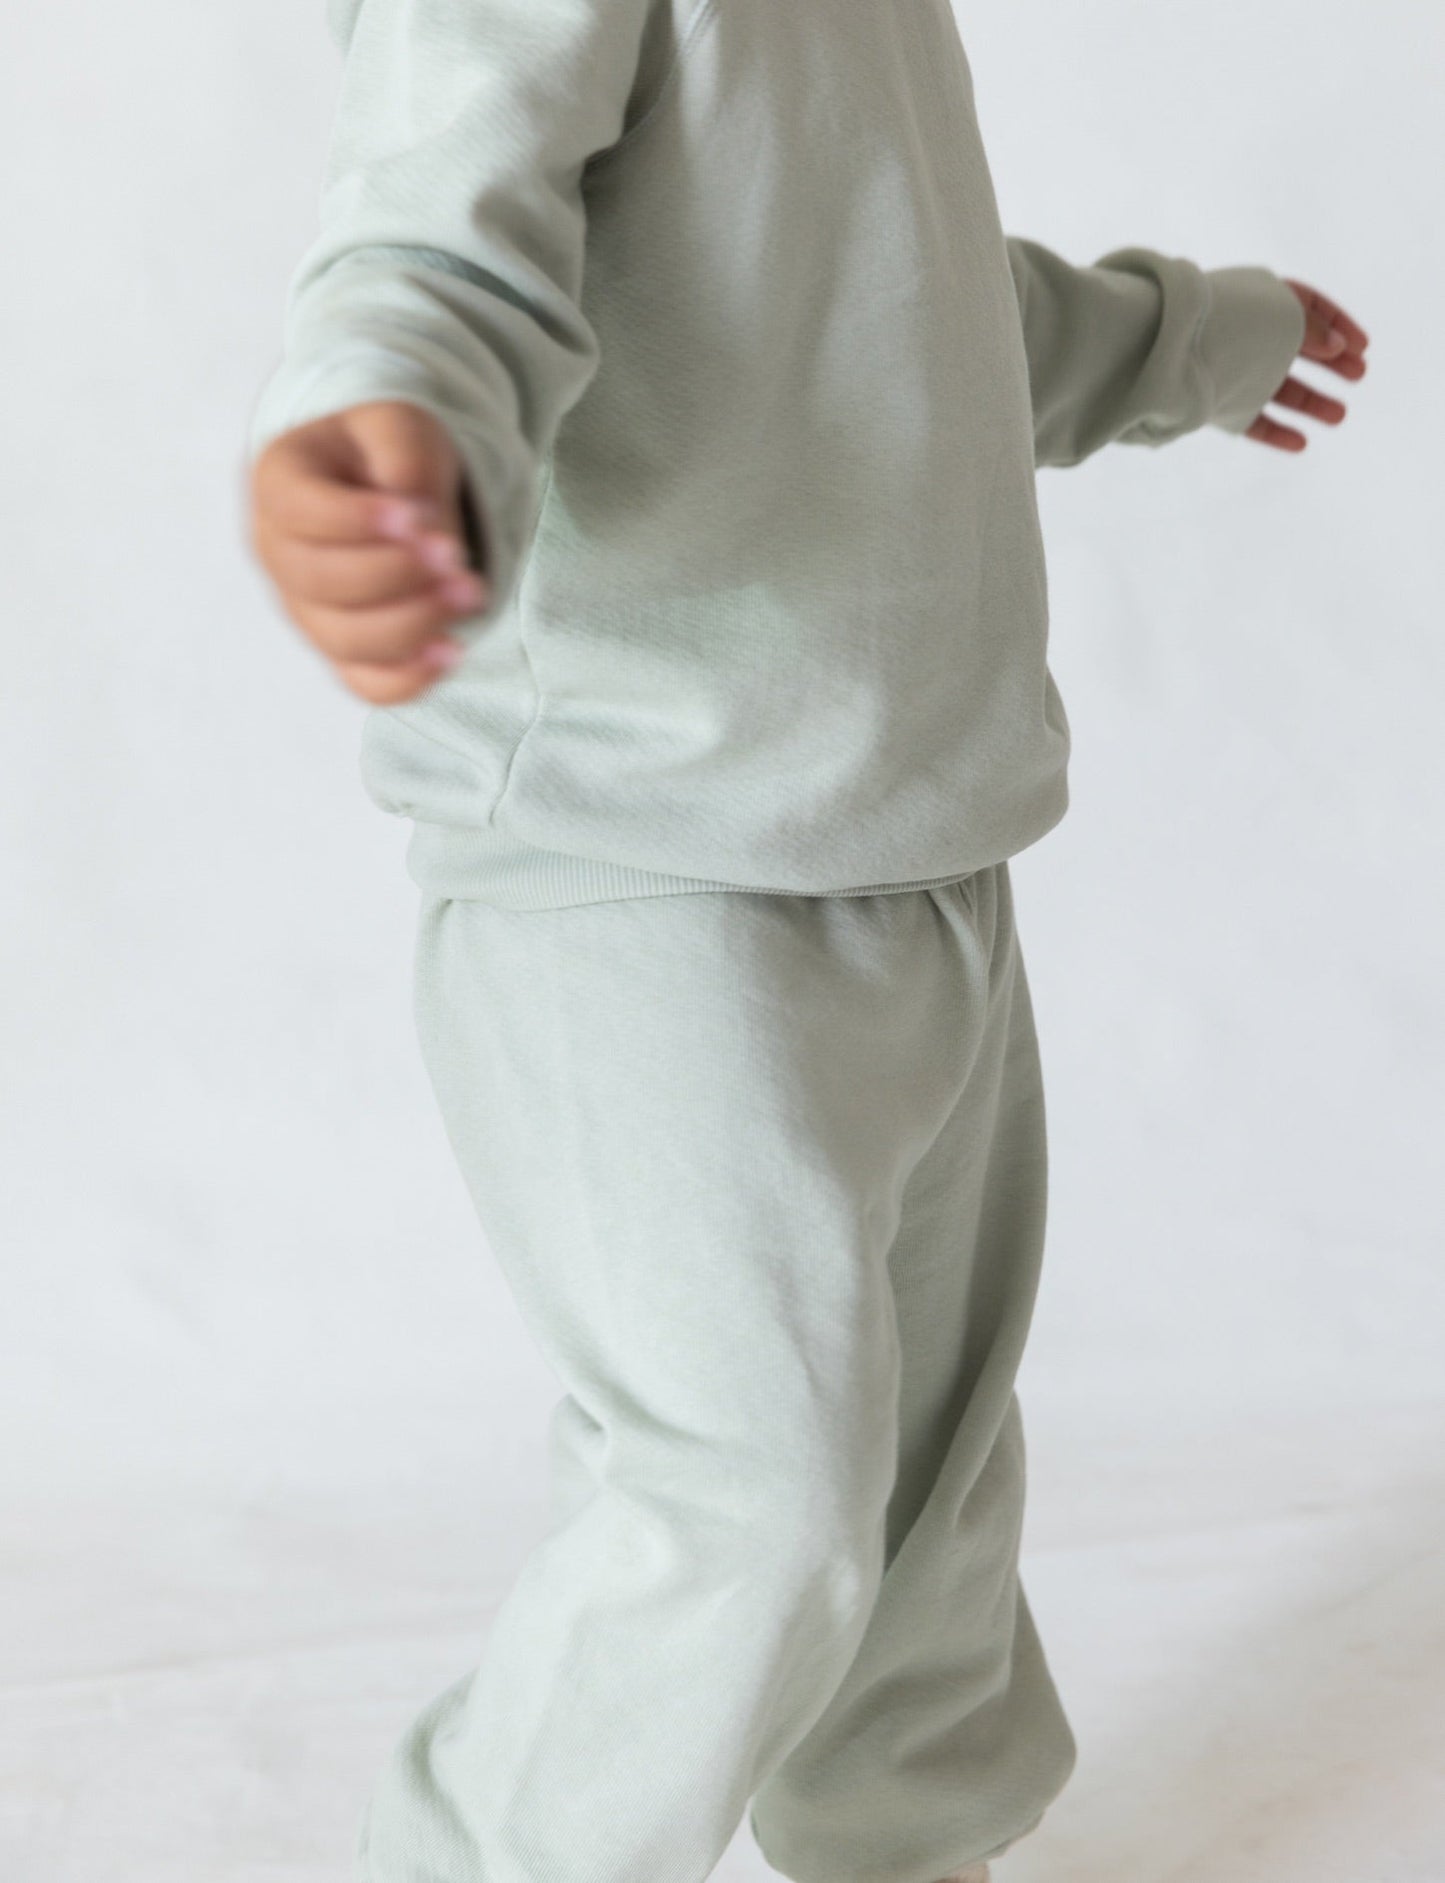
(357, 519)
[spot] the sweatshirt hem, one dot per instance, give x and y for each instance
(452, 861)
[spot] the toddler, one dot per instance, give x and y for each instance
(653, 449)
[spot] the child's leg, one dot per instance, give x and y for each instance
(688, 1124)
(946, 1738)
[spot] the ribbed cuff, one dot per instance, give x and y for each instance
(1248, 340)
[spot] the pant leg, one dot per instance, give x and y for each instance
(687, 1124)
(946, 1739)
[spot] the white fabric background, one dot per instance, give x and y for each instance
(271, 1428)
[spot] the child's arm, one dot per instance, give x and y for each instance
(1143, 347)
(446, 275)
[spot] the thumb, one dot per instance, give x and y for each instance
(407, 451)
(1323, 339)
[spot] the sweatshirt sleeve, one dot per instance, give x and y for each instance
(447, 268)
(1141, 348)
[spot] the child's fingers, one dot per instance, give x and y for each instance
(1302, 398)
(1283, 437)
(360, 575)
(1334, 316)
(388, 686)
(1331, 336)
(296, 497)
(1347, 364)
(392, 632)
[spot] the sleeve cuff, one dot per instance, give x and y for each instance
(1249, 338)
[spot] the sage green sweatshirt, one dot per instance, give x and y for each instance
(750, 387)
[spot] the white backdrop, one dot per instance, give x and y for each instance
(271, 1428)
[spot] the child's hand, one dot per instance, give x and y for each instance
(356, 518)
(1333, 339)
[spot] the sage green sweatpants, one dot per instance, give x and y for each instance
(766, 1175)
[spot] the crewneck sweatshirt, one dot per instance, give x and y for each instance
(750, 389)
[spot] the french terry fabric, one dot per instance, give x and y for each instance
(750, 387)
(767, 1179)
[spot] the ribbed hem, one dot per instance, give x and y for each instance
(464, 863)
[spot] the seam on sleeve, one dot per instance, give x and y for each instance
(418, 255)
(701, 14)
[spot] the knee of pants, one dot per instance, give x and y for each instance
(800, 1526)
(828, 1548)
